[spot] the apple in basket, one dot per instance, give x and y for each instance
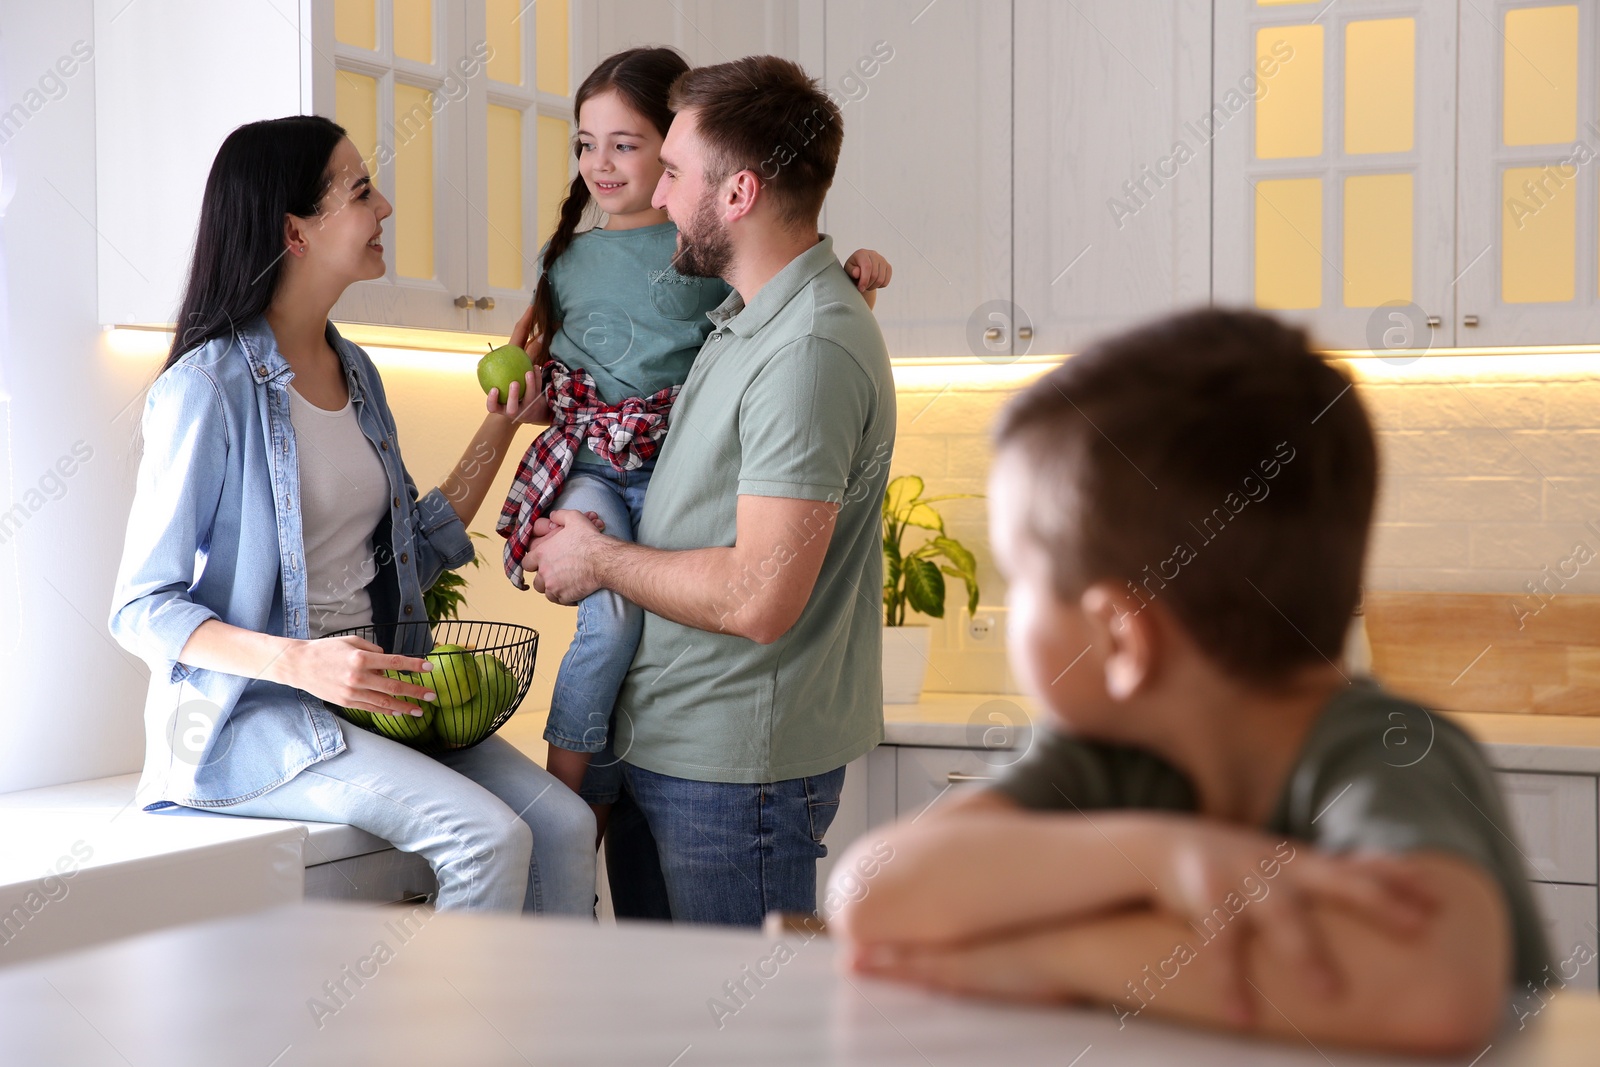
(408, 727)
(464, 724)
(455, 675)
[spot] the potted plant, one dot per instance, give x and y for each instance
(914, 579)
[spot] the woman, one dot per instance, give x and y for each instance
(272, 507)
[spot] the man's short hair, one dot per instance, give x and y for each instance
(765, 114)
(1209, 461)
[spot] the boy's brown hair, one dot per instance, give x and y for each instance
(765, 114)
(1212, 462)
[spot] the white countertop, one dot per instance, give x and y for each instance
(1562, 743)
(491, 990)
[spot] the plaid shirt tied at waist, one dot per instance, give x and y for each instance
(625, 435)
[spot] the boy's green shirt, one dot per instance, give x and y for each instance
(1376, 772)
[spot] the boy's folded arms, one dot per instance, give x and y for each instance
(1216, 925)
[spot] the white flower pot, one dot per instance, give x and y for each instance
(905, 663)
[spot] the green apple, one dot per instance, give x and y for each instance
(357, 716)
(408, 728)
(455, 677)
(501, 367)
(414, 678)
(468, 723)
(495, 676)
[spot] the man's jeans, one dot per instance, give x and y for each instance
(717, 852)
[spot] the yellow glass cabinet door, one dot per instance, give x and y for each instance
(462, 111)
(392, 73)
(1334, 191)
(1529, 246)
(519, 161)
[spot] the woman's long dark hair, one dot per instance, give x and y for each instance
(642, 77)
(263, 171)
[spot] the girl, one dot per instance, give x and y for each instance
(614, 329)
(272, 507)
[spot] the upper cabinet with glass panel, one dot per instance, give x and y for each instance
(462, 111)
(1529, 247)
(1334, 182)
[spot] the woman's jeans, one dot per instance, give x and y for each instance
(609, 626)
(499, 832)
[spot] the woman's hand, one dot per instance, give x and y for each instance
(869, 269)
(525, 404)
(348, 671)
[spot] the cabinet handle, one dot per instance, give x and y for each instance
(1469, 320)
(463, 301)
(1024, 333)
(1434, 321)
(994, 333)
(956, 778)
(484, 303)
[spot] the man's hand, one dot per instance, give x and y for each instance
(562, 555)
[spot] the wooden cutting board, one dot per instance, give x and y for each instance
(1489, 651)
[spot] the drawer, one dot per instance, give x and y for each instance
(382, 877)
(1553, 820)
(924, 776)
(1570, 916)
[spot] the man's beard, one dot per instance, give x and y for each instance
(704, 249)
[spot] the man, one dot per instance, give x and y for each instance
(758, 559)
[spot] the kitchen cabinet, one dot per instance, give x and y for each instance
(1554, 820)
(1334, 192)
(463, 107)
(925, 172)
(1111, 165)
(1040, 197)
(1528, 250)
(705, 31)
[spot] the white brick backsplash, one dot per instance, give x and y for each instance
(1528, 546)
(1565, 452)
(1421, 544)
(1465, 499)
(1483, 481)
(1574, 405)
(1450, 452)
(970, 456)
(924, 456)
(1572, 499)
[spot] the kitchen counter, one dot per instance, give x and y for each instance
(1552, 743)
(339, 985)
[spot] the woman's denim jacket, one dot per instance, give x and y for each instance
(215, 533)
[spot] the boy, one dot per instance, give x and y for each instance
(1217, 826)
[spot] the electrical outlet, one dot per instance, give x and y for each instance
(985, 631)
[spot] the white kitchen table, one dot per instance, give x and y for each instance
(348, 985)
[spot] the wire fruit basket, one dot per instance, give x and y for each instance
(481, 672)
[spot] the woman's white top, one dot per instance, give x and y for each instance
(343, 496)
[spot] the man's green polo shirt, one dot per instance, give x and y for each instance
(791, 396)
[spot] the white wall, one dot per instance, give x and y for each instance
(72, 698)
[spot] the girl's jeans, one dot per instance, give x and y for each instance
(608, 626)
